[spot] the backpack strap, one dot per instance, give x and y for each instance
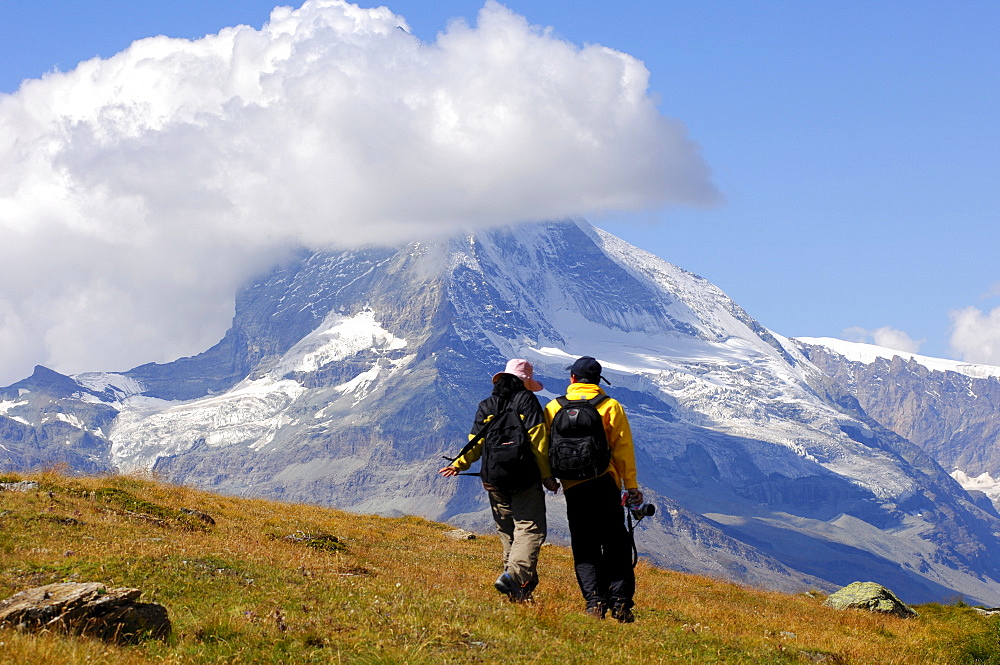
(478, 437)
(594, 401)
(597, 399)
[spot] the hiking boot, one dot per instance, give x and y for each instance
(595, 610)
(505, 584)
(515, 593)
(622, 614)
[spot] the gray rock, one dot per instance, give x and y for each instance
(204, 517)
(460, 534)
(23, 486)
(869, 596)
(86, 608)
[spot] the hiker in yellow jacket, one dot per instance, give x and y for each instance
(602, 550)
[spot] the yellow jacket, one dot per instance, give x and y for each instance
(616, 426)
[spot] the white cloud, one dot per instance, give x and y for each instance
(993, 292)
(139, 191)
(975, 336)
(886, 336)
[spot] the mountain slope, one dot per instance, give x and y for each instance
(948, 408)
(270, 582)
(346, 377)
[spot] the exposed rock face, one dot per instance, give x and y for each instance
(49, 419)
(869, 596)
(86, 609)
(954, 416)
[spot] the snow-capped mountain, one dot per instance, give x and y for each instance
(951, 409)
(347, 375)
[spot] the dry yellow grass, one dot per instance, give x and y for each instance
(400, 591)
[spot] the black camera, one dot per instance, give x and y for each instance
(638, 510)
(642, 510)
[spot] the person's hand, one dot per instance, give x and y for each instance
(448, 471)
(551, 484)
(634, 497)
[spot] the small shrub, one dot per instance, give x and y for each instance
(323, 542)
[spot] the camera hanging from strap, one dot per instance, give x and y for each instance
(634, 515)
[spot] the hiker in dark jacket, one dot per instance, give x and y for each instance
(602, 549)
(519, 506)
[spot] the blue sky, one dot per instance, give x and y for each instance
(855, 144)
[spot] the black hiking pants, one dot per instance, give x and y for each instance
(602, 551)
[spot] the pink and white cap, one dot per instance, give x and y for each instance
(523, 370)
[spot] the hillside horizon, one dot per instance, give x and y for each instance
(250, 588)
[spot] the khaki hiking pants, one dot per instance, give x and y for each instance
(520, 519)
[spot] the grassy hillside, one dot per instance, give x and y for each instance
(282, 583)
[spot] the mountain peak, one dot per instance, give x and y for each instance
(870, 353)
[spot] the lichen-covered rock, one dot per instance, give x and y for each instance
(869, 596)
(23, 486)
(204, 517)
(86, 608)
(460, 534)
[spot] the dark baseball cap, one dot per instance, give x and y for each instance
(588, 370)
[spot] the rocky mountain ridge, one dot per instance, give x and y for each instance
(347, 375)
(951, 410)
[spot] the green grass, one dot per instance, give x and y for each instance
(286, 583)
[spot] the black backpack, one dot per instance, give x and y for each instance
(508, 461)
(578, 447)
